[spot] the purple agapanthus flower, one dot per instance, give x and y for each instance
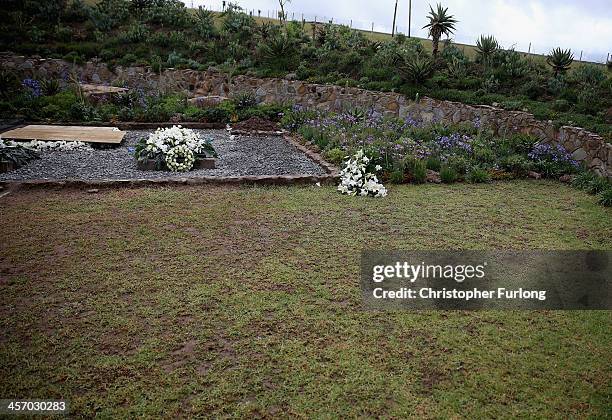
(454, 141)
(32, 86)
(554, 153)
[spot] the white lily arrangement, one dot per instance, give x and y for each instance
(357, 180)
(176, 147)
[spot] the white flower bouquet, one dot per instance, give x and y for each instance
(175, 148)
(357, 179)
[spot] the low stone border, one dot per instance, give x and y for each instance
(314, 155)
(163, 182)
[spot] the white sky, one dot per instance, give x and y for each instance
(582, 25)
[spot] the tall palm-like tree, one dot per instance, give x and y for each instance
(440, 23)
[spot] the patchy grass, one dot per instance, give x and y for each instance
(245, 302)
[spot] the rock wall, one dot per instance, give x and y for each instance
(585, 146)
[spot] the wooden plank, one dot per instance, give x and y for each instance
(109, 135)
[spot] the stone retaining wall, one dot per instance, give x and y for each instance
(585, 146)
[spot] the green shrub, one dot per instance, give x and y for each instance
(433, 163)
(478, 175)
(560, 105)
(448, 175)
(307, 132)
(459, 163)
(243, 100)
(517, 164)
(396, 177)
(597, 185)
(583, 180)
(605, 197)
(419, 172)
(335, 156)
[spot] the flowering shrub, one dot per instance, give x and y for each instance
(177, 148)
(357, 179)
(32, 87)
(552, 160)
(397, 143)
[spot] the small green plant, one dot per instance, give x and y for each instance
(605, 197)
(434, 163)
(517, 164)
(478, 176)
(448, 175)
(583, 180)
(335, 156)
(50, 87)
(597, 185)
(243, 100)
(419, 172)
(396, 177)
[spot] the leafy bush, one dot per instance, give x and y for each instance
(169, 13)
(433, 163)
(448, 175)
(396, 177)
(335, 156)
(478, 175)
(244, 99)
(583, 180)
(419, 172)
(605, 197)
(597, 185)
(516, 164)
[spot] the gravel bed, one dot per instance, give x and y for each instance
(238, 156)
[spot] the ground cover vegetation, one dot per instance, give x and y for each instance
(245, 302)
(164, 33)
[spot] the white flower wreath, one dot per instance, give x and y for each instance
(180, 158)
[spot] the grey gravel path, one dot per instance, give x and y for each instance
(240, 156)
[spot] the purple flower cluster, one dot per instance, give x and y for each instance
(547, 152)
(32, 86)
(454, 141)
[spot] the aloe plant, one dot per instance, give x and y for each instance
(486, 47)
(416, 69)
(560, 60)
(440, 23)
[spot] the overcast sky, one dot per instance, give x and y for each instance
(577, 24)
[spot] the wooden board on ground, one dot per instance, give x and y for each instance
(105, 135)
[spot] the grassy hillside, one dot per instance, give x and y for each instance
(167, 34)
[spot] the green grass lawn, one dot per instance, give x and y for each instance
(245, 302)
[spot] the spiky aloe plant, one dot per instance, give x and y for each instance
(440, 23)
(560, 60)
(486, 47)
(416, 69)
